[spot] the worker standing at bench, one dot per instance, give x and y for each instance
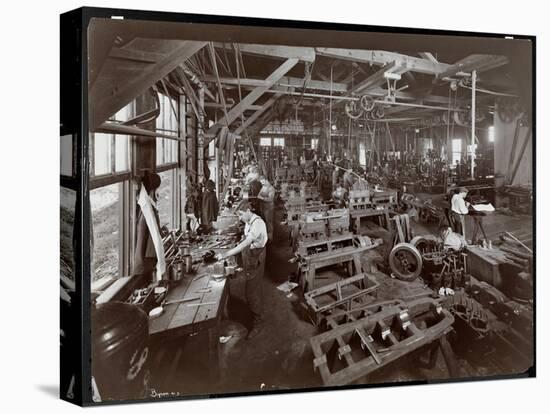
(459, 210)
(252, 249)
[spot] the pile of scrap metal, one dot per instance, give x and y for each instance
(486, 317)
(518, 249)
(364, 339)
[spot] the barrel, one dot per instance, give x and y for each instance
(120, 335)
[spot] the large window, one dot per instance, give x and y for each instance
(362, 154)
(457, 150)
(166, 197)
(167, 123)
(314, 143)
(491, 134)
(265, 142)
(278, 142)
(110, 153)
(106, 214)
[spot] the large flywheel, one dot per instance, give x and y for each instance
(405, 262)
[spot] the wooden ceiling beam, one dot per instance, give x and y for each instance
(381, 58)
(305, 54)
(252, 118)
(286, 81)
(253, 95)
(480, 63)
(106, 98)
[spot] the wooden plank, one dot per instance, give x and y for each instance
(207, 312)
(306, 54)
(161, 323)
(288, 81)
(479, 63)
(428, 56)
(251, 119)
(379, 57)
(521, 152)
(256, 93)
(185, 315)
(378, 78)
(106, 99)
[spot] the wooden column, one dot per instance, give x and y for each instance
(473, 134)
(200, 137)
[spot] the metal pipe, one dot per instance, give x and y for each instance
(472, 150)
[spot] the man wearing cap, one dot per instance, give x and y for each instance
(252, 249)
(459, 209)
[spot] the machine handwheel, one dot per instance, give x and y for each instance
(405, 262)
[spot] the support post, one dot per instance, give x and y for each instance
(473, 137)
(200, 137)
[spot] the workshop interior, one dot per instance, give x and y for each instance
(268, 208)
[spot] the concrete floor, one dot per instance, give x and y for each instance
(281, 357)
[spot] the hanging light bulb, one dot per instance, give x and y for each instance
(333, 127)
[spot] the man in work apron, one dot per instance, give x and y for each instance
(252, 249)
(253, 267)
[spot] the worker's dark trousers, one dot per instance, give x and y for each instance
(253, 263)
(268, 209)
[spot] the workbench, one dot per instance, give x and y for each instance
(487, 264)
(180, 320)
(382, 214)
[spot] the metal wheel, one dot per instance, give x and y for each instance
(405, 262)
(425, 242)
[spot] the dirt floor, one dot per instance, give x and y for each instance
(281, 356)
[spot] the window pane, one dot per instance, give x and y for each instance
(362, 154)
(122, 151)
(314, 142)
(104, 202)
(160, 151)
(125, 113)
(102, 154)
(165, 198)
(174, 150)
(491, 134)
(66, 155)
(278, 142)
(457, 150)
(265, 142)
(167, 151)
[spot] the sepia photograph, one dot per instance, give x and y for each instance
(293, 206)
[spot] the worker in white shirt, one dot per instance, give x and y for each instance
(252, 250)
(451, 240)
(459, 209)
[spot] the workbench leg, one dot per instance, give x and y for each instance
(214, 354)
(387, 217)
(449, 357)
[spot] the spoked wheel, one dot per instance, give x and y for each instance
(405, 262)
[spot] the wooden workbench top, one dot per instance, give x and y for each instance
(185, 318)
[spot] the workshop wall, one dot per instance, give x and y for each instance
(504, 141)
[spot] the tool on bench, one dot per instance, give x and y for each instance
(201, 304)
(156, 312)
